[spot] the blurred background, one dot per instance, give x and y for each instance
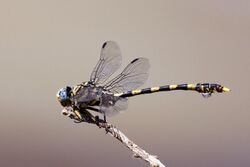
(47, 44)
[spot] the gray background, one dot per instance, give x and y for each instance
(47, 44)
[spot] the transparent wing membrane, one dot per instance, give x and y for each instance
(110, 60)
(132, 77)
(113, 105)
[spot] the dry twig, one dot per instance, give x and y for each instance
(138, 152)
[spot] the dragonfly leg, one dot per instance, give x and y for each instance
(97, 121)
(104, 118)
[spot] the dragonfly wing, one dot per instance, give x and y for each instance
(112, 105)
(110, 60)
(133, 76)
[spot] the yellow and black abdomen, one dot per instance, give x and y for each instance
(201, 88)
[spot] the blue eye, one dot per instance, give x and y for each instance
(63, 94)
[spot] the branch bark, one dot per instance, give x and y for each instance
(138, 152)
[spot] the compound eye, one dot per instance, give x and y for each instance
(64, 95)
(59, 94)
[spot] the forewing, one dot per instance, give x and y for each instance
(110, 60)
(132, 77)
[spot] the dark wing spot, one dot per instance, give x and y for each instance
(103, 46)
(134, 60)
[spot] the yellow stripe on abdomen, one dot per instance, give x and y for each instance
(191, 86)
(154, 89)
(172, 87)
(137, 91)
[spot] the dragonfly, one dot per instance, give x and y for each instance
(110, 96)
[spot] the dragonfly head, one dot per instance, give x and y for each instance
(63, 96)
